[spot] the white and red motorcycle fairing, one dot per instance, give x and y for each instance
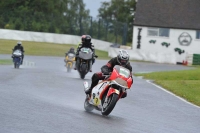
(105, 94)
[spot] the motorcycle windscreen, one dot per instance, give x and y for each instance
(70, 57)
(85, 56)
(122, 71)
(17, 53)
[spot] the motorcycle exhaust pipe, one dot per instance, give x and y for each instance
(86, 85)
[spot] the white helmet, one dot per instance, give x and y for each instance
(19, 43)
(123, 57)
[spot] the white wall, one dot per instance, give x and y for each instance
(146, 56)
(49, 37)
(194, 47)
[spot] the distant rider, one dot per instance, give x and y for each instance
(21, 48)
(122, 59)
(71, 50)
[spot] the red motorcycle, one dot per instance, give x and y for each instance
(106, 93)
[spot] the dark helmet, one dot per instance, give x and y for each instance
(83, 38)
(123, 57)
(71, 49)
(86, 39)
(19, 43)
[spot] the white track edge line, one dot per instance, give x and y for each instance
(172, 94)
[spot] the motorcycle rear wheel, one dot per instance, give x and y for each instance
(112, 100)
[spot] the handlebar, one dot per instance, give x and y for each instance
(107, 74)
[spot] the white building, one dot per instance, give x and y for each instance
(167, 29)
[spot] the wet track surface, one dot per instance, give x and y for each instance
(44, 98)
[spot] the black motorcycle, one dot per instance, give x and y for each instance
(84, 61)
(17, 58)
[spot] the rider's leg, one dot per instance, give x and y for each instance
(75, 63)
(93, 61)
(95, 80)
(22, 58)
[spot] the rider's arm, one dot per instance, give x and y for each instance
(22, 49)
(130, 68)
(111, 63)
(15, 48)
(109, 66)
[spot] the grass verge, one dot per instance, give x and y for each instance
(43, 49)
(5, 61)
(185, 83)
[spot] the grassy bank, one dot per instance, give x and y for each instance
(5, 61)
(185, 83)
(42, 49)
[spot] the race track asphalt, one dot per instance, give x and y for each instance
(41, 97)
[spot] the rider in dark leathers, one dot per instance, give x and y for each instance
(21, 48)
(122, 59)
(86, 42)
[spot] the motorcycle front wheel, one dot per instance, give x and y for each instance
(16, 65)
(109, 104)
(68, 67)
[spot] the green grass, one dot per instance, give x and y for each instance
(43, 49)
(5, 61)
(185, 83)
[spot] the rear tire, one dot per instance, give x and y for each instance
(82, 76)
(110, 106)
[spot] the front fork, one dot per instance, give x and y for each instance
(113, 90)
(110, 92)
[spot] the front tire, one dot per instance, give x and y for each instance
(15, 65)
(111, 102)
(68, 68)
(82, 75)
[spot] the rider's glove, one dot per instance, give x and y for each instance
(105, 70)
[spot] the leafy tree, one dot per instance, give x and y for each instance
(60, 16)
(119, 11)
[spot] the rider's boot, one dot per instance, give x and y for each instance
(90, 66)
(93, 84)
(88, 91)
(124, 95)
(74, 65)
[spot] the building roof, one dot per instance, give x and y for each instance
(179, 14)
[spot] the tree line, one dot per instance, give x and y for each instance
(69, 17)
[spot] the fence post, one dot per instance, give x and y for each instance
(106, 36)
(91, 22)
(81, 27)
(99, 29)
(124, 34)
